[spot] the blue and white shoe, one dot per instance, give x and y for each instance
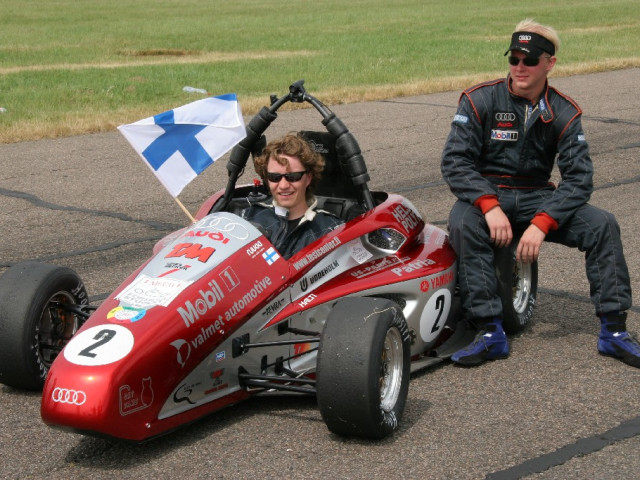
(489, 344)
(615, 341)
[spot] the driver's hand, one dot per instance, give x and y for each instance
(529, 247)
(499, 227)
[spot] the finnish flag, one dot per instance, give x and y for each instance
(181, 143)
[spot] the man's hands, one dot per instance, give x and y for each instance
(501, 235)
(529, 246)
(499, 227)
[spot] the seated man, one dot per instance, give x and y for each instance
(290, 167)
(498, 160)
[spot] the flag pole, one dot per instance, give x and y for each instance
(184, 209)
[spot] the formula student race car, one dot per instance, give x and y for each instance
(216, 315)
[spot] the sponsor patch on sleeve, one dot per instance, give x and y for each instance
(462, 119)
(582, 137)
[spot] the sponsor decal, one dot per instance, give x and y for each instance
(216, 384)
(184, 351)
(305, 282)
(183, 392)
(146, 292)
(505, 117)
(173, 268)
(544, 111)
(215, 236)
(99, 345)
(221, 356)
(223, 224)
(317, 253)
(442, 280)
(177, 266)
(505, 120)
(424, 286)
(124, 314)
(273, 307)
(68, 396)
(504, 135)
(307, 300)
(407, 217)
(184, 347)
(230, 279)
(192, 251)
(376, 266)
(358, 252)
(132, 401)
(258, 287)
(270, 256)
(254, 249)
(192, 311)
(413, 266)
(463, 119)
(582, 138)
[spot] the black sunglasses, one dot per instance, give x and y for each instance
(291, 177)
(528, 61)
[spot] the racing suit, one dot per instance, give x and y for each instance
(501, 151)
(274, 220)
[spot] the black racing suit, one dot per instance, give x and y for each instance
(501, 151)
(274, 220)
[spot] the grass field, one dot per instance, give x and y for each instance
(78, 66)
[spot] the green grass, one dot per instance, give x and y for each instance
(69, 67)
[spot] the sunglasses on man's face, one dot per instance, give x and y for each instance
(290, 177)
(528, 61)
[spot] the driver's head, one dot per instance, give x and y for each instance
(281, 152)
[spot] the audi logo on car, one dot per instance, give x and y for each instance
(71, 397)
(505, 117)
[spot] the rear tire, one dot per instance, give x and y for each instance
(363, 368)
(517, 287)
(33, 326)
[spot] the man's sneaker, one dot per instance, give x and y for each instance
(620, 345)
(489, 344)
(616, 342)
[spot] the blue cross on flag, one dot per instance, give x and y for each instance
(179, 144)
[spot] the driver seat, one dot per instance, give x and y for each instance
(335, 191)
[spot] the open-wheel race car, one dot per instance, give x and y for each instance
(217, 315)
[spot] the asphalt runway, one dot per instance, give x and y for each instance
(553, 409)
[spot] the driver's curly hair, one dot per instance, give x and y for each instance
(292, 145)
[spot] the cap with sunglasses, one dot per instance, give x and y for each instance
(531, 44)
(290, 177)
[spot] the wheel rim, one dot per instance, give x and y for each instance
(521, 286)
(55, 327)
(391, 369)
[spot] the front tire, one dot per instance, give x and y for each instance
(517, 287)
(34, 325)
(363, 368)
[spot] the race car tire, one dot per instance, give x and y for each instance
(363, 367)
(33, 329)
(517, 287)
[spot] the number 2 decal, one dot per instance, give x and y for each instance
(440, 303)
(99, 345)
(102, 337)
(435, 313)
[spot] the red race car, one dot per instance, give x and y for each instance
(217, 314)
